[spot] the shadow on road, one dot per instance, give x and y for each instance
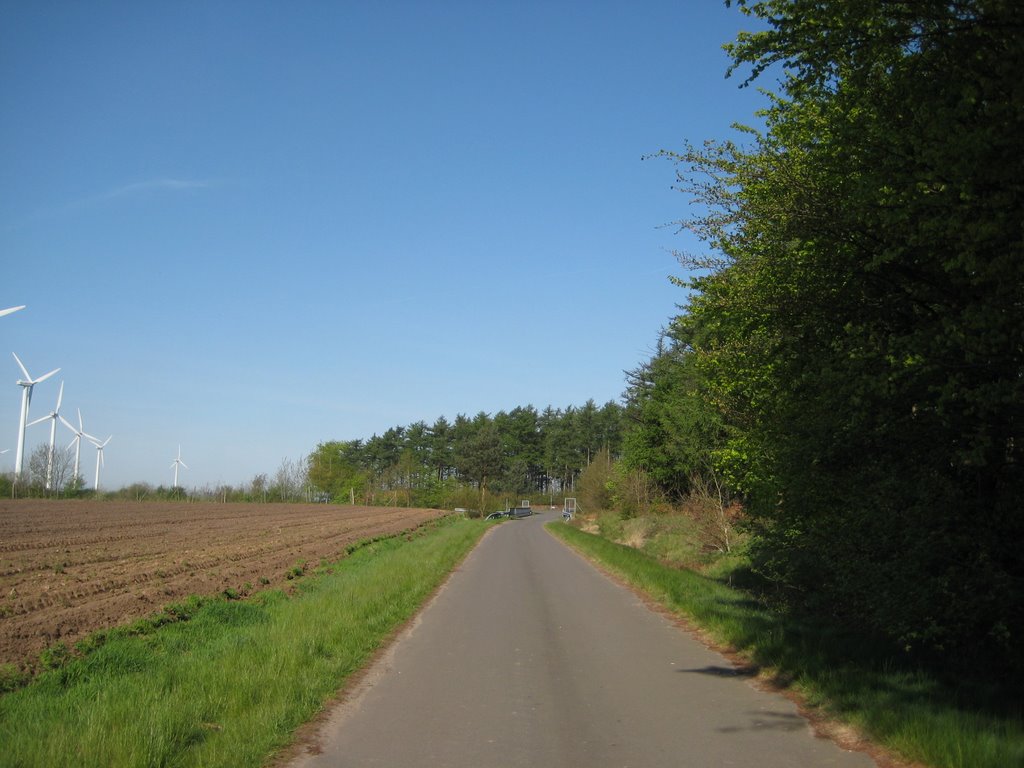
(774, 721)
(720, 671)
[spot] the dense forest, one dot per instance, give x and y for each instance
(850, 358)
(519, 452)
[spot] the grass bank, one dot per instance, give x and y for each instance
(903, 709)
(228, 686)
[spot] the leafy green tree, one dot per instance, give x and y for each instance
(612, 419)
(561, 454)
(480, 457)
(863, 340)
(336, 468)
(675, 431)
(595, 483)
(442, 438)
(520, 435)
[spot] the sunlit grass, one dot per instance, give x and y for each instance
(229, 686)
(854, 681)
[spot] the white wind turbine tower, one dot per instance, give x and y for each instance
(26, 385)
(52, 416)
(99, 458)
(174, 465)
(77, 440)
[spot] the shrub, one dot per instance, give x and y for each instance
(11, 678)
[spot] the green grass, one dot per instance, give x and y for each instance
(842, 675)
(229, 685)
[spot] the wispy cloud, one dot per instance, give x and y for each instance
(153, 185)
(133, 189)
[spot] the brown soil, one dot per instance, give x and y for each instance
(68, 568)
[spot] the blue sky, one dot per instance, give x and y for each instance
(248, 227)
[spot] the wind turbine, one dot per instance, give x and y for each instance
(11, 309)
(178, 461)
(77, 439)
(52, 416)
(99, 458)
(26, 385)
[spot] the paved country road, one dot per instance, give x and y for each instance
(531, 657)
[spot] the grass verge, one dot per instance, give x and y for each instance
(905, 710)
(230, 685)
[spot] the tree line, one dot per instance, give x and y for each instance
(849, 360)
(518, 452)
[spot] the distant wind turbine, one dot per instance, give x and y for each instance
(178, 461)
(52, 416)
(99, 458)
(8, 311)
(77, 439)
(26, 385)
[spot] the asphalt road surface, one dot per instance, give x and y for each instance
(531, 657)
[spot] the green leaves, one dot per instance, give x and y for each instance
(519, 451)
(855, 363)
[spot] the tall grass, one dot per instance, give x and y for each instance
(229, 686)
(842, 675)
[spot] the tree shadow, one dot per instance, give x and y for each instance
(769, 721)
(748, 670)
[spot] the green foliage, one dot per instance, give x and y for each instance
(11, 678)
(520, 452)
(632, 491)
(594, 488)
(480, 458)
(55, 657)
(676, 426)
(853, 364)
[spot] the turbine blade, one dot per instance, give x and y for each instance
(60, 397)
(80, 427)
(9, 310)
(40, 419)
(183, 464)
(23, 369)
(44, 377)
(67, 424)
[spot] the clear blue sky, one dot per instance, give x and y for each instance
(249, 227)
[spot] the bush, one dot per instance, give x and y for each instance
(633, 492)
(11, 678)
(595, 482)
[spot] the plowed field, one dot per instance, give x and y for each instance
(68, 568)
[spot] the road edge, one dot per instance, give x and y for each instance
(843, 735)
(307, 739)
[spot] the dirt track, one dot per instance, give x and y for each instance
(68, 568)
